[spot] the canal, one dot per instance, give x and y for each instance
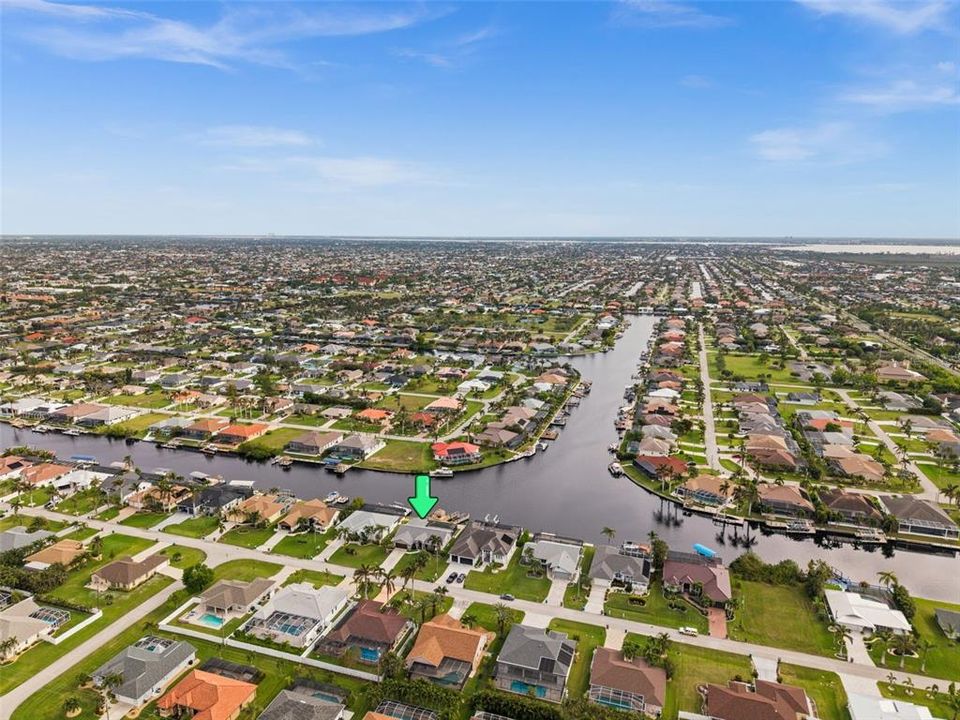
(566, 490)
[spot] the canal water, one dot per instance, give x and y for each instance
(566, 490)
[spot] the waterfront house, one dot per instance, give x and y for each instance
(241, 433)
(314, 442)
(145, 668)
(447, 652)
(535, 662)
(265, 508)
(919, 517)
(628, 564)
(783, 500)
(483, 542)
(314, 514)
(706, 580)
(358, 447)
(712, 490)
(309, 704)
(630, 685)
(559, 557)
(864, 614)
(853, 507)
(418, 534)
(456, 453)
(205, 428)
(659, 467)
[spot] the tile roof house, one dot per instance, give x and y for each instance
(613, 565)
(234, 596)
(45, 473)
(145, 668)
(851, 506)
(447, 652)
(315, 513)
(656, 467)
(783, 500)
(126, 573)
(369, 629)
(762, 701)
(240, 433)
(205, 427)
(858, 466)
(707, 490)
(631, 685)
(919, 517)
(685, 572)
(535, 661)
(268, 508)
(206, 696)
(483, 542)
(456, 453)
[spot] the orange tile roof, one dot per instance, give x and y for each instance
(211, 696)
(443, 637)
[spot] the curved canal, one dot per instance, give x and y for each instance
(566, 490)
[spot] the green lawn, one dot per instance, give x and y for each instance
(317, 578)
(937, 702)
(39, 657)
(353, 555)
(109, 514)
(150, 400)
(82, 502)
(26, 521)
(512, 579)
(409, 605)
(779, 616)
(485, 616)
(82, 533)
(187, 556)
(246, 536)
(655, 609)
(114, 546)
(588, 639)
(145, 520)
(943, 657)
(404, 456)
(430, 572)
(274, 440)
(311, 420)
(303, 545)
(575, 596)
(197, 527)
(139, 424)
(693, 666)
(823, 687)
(47, 703)
(245, 570)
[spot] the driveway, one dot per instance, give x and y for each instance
(557, 589)
(595, 600)
(718, 623)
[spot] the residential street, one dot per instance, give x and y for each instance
(710, 429)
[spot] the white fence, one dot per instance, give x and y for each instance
(75, 629)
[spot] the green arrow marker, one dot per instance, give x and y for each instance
(422, 502)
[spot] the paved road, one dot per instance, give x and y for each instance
(710, 428)
(218, 553)
(13, 699)
(929, 490)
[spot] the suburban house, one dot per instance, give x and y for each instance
(62, 552)
(535, 661)
(484, 542)
(45, 473)
(214, 499)
(205, 428)
(314, 514)
(18, 623)
(853, 507)
(203, 695)
(229, 598)
(919, 517)
(358, 447)
(19, 536)
(707, 490)
(371, 521)
(417, 534)
(630, 685)
(763, 699)
(296, 705)
(314, 442)
(153, 498)
(558, 556)
(872, 707)
(126, 573)
(612, 565)
(949, 622)
(297, 614)
(267, 508)
(858, 465)
(864, 614)
(241, 433)
(369, 630)
(658, 467)
(706, 579)
(145, 668)
(783, 500)
(447, 652)
(456, 453)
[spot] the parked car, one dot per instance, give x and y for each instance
(687, 630)
(461, 577)
(508, 597)
(451, 577)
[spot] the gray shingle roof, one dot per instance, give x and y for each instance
(533, 648)
(142, 668)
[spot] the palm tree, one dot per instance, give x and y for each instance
(503, 617)
(903, 645)
(387, 577)
(108, 683)
(71, 705)
(362, 577)
(7, 645)
(843, 634)
(609, 533)
(887, 578)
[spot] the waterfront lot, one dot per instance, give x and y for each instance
(196, 527)
(779, 616)
(655, 609)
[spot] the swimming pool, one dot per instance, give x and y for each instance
(327, 697)
(523, 688)
(211, 620)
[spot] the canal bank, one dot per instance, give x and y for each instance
(566, 489)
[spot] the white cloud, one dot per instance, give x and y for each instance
(249, 34)
(665, 14)
(362, 171)
(903, 95)
(696, 82)
(451, 53)
(904, 18)
(254, 136)
(828, 142)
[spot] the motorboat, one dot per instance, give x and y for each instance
(442, 472)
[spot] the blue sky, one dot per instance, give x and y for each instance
(637, 118)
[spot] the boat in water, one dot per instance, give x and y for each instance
(704, 551)
(443, 472)
(615, 469)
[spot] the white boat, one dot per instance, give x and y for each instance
(615, 468)
(41, 429)
(443, 472)
(331, 497)
(72, 432)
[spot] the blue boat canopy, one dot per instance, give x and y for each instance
(704, 550)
